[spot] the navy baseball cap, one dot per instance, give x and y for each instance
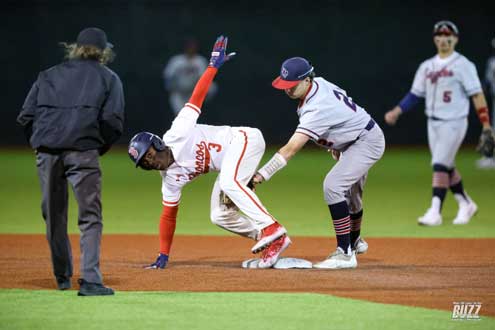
(292, 72)
(93, 37)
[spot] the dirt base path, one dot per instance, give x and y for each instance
(430, 273)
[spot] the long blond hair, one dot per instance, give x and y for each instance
(87, 52)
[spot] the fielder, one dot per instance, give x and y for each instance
(329, 117)
(446, 82)
(181, 74)
(188, 150)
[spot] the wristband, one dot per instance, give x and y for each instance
(275, 164)
(483, 115)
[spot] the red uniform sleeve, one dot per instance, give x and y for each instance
(167, 227)
(202, 86)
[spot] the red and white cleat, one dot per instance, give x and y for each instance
(271, 254)
(268, 235)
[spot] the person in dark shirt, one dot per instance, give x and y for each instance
(73, 113)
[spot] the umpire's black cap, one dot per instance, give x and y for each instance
(93, 37)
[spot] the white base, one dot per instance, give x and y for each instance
(282, 263)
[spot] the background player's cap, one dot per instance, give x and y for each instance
(445, 28)
(292, 72)
(93, 37)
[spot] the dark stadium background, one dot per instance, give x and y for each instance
(370, 48)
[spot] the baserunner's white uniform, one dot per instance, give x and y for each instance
(446, 84)
(329, 117)
(235, 152)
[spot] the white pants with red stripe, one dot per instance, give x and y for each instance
(240, 162)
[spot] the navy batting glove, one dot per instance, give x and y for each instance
(160, 263)
(218, 54)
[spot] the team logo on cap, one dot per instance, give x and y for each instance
(284, 73)
(133, 152)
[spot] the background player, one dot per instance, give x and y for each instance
(329, 117)
(189, 149)
(446, 81)
(181, 74)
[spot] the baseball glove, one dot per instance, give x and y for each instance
(486, 146)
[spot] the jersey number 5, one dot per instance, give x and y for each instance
(447, 96)
(342, 97)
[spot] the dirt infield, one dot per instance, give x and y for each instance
(430, 273)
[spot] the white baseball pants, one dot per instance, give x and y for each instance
(445, 139)
(238, 166)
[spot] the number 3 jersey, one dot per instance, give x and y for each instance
(197, 149)
(328, 116)
(446, 84)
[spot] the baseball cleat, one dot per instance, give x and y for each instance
(465, 213)
(338, 260)
(431, 218)
(272, 253)
(268, 235)
(360, 246)
(486, 163)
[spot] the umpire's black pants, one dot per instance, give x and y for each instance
(82, 170)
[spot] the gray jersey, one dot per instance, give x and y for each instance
(329, 116)
(182, 73)
(447, 85)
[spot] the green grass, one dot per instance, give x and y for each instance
(21, 309)
(397, 192)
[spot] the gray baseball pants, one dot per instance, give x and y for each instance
(346, 179)
(81, 169)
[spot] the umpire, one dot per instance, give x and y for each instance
(73, 113)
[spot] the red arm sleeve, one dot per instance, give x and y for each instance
(202, 86)
(167, 227)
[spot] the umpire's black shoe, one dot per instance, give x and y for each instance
(63, 284)
(93, 289)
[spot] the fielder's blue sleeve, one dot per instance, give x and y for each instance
(409, 101)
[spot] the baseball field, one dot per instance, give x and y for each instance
(410, 278)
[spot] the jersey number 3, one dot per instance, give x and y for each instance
(342, 97)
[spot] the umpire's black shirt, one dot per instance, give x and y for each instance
(76, 105)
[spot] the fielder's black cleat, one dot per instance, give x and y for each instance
(93, 289)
